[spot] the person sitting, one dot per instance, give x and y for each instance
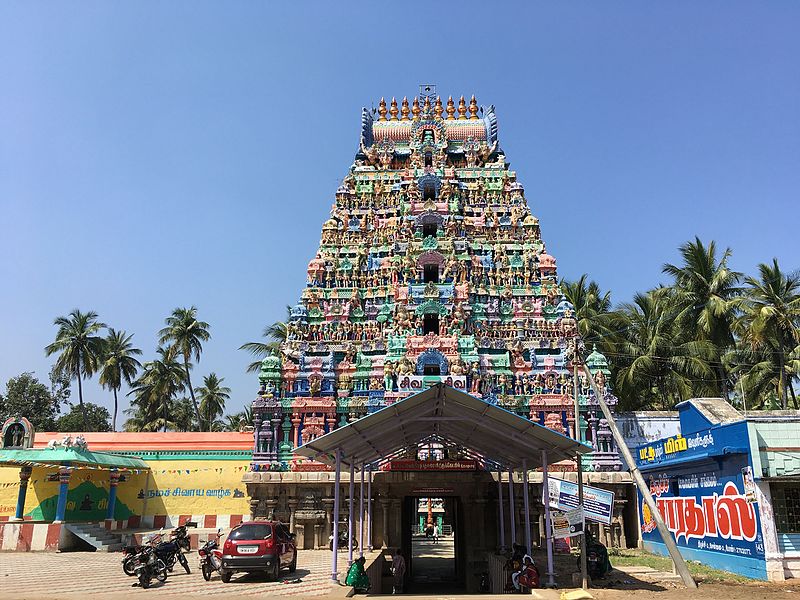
(527, 576)
(357, 577)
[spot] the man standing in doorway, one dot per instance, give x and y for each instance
(435, 532)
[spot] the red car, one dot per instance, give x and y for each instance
(255, 546)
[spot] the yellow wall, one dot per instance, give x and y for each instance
(173, 487)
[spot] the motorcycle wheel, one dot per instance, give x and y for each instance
(144, 580)
(207, 570)
(129, 567)
(184, 562)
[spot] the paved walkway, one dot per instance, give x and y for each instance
(39, 575)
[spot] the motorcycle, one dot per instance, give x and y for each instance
(172, 550)
(597, 563)
(210, 556)
(149, 567)
(129, 558)
(342, 540)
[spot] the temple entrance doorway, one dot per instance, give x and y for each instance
(434, 564)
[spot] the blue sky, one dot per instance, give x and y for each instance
(155, 155)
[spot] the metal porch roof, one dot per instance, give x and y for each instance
(444, 414)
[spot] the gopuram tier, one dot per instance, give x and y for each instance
(430, 269)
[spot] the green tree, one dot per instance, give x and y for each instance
(27, 397)
(275, 334)
(592, 310)
(79, 348)
(118, 364)
(656, 368)
(154, 392)
(213, 396)
(98, 416)
(238, 420)
(706, 295)
(184, 415)
(187, 334)
(770, 333)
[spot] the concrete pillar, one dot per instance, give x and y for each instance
(253, 508)
(113, 482)
(397, 526)
(63, 488)
(292, 504)
(501, 512)
(337, 481)
(479, 514)
(385, 503)
(24, 477)
(772, 552)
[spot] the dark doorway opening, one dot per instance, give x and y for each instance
(428, 159)
(430, 230)
(433, 564)
(429, 191)
(431, 370)
(430, 273)
(430, 324)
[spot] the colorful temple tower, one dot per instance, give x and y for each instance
(430, 269)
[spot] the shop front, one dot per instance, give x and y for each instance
(707, 491)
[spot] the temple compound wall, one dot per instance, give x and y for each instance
(430, 269)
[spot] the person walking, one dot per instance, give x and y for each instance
(398, 572)
(435, 533)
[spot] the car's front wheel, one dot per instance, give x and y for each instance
(225, 576)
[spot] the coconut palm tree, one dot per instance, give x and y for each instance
(275, 334)
(155, 390)
(79, 349)
(187, 334)
(656, 367)
(234, 422)
(213, 396)
(118, 364)
(592, 310)
(770, 328)
(707, 293)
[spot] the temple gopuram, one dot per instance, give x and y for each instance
(431, 269)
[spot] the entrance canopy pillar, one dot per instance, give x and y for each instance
(350, 531)
(527, 505)
(369, 511)
(63, 487)
(511, 516)
(361, 514)
(336, 486)
(547, 523)
(500, 511)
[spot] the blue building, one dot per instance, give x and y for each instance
(720, 483)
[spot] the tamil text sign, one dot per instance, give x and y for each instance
(598, 504)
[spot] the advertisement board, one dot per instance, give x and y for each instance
(567, 523)
(708, 500)
(598, 504)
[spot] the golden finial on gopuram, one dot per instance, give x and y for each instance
(393, 110)
(382, 110)
(427, 106)
(473, 108)
(438, 107)
(415, 110)
(451, 108)
(404, 110)
(462, 108)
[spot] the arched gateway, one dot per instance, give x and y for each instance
(431, 270)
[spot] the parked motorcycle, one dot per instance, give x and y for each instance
(597, 563)
(342, 539)
(129, 558)
(172, 551)
(149, 567)
(210, 556)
